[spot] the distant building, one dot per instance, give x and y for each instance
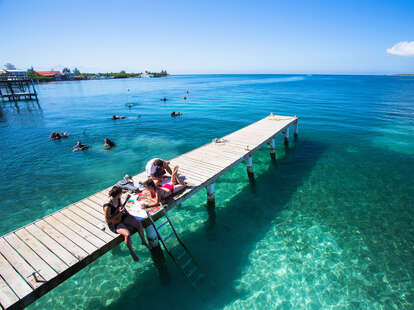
(57, 75)
(10, 75)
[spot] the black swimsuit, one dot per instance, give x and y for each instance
(113, 227)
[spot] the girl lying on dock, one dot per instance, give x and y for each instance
(120, 222)
(167, 188)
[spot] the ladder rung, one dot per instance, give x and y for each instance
(158, 227)
(186, 263)
(181, 255)
(169, 236)
(191, 272)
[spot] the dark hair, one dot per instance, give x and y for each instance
(149, 183)
(158, 162)
(115, 191)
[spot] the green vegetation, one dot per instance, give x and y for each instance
(31, 73)
(157, 74)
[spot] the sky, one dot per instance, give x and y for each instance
(203, 37)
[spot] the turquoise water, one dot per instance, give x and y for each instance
(328, 227)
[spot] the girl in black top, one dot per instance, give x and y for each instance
(120, 221)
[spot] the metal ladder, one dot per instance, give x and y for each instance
(184, 261)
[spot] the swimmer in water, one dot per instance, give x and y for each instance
(79, 147)
(185, 97)
(55, 136)
(64, 134)
(115, 117)
(163, 99)
(108, 144)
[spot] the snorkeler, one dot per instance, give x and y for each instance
(79, 147)
(108, 144)
(114, 117)
(55, 136)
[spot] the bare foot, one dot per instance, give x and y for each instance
(135, 257)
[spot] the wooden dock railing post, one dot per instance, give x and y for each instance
(211, 200)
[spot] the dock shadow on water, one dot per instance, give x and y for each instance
(222, 247)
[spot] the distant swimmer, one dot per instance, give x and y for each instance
(185, 97)
(174, 114)
(163, 99)
(108, 144)
(79, 147)
(64, 134)
(114, 117)
(128, 89)
(55, 136)
(130, 106)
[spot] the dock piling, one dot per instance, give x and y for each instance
(272, 150)
(249, 167)
(152, 236)
(286, 139)
(211, 200)
(296, 130)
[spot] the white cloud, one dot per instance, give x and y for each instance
(402, 49)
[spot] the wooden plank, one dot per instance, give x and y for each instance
(89, 222)
(92, 208)
(31, 257)
(52, 245)
(196, 163)
(7, 296)
(199, 170)
(19, 264)
(14, 280)
(93, 241)
(63, 240)
(97, 200)
(49, 257)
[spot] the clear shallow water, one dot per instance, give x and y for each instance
(328, 227)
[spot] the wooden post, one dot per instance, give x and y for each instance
(249, 166)
(272, 150)
(211, 201)
(296, 129)
(286, 140)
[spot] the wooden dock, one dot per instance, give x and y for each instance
(36, 258)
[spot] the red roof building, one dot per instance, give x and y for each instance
(49, 73)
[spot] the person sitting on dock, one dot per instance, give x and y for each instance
(156, 169)
(55, 136)
(79, 147)
(120, 222)
(108, 144)
(167, 188)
